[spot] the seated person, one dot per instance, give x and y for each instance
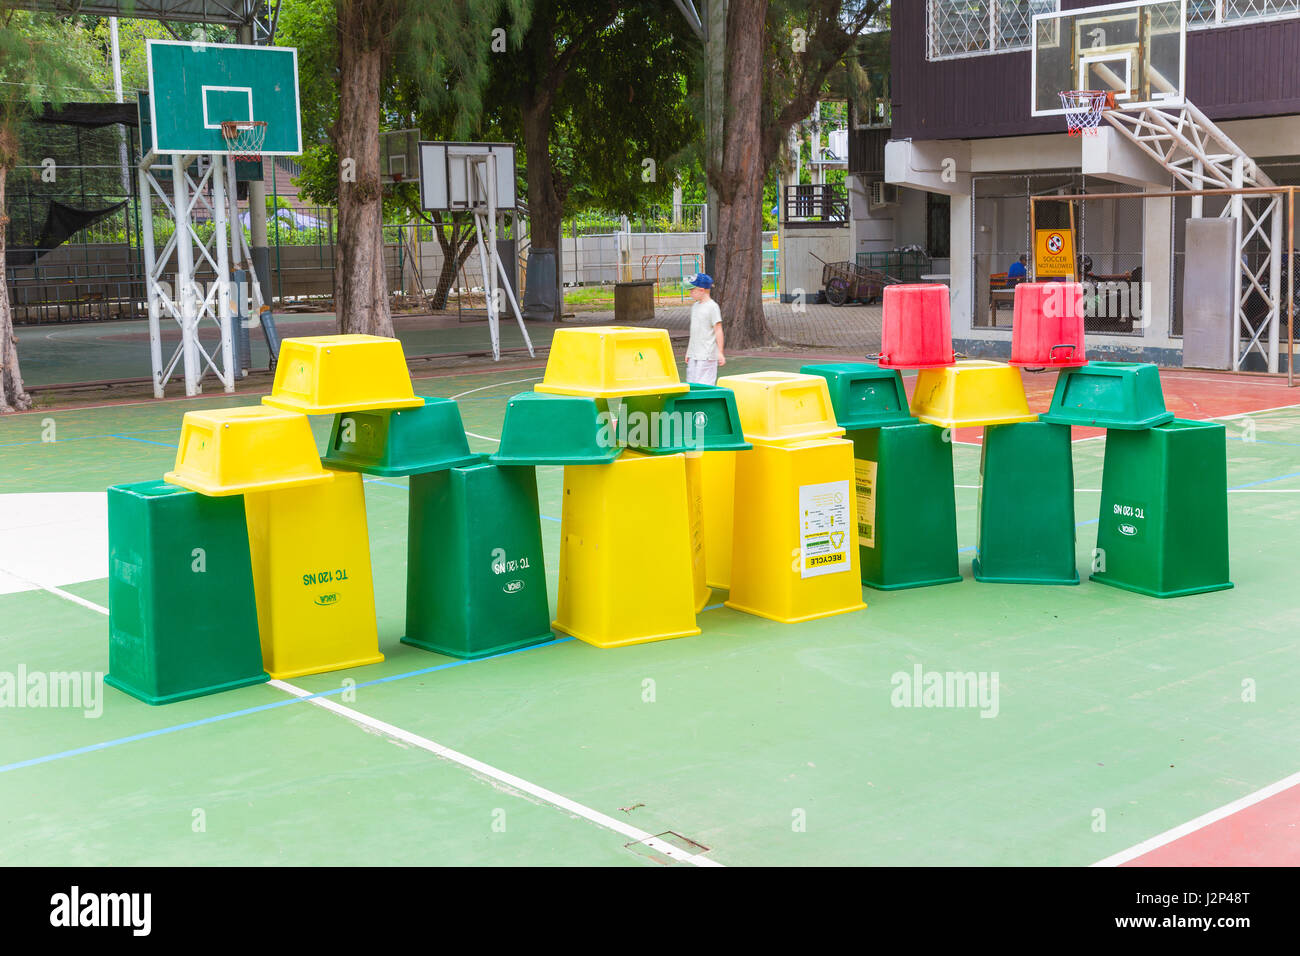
(1017, 272)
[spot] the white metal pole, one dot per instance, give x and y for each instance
(150, 281)
(1235, 204)
(1275, 279)
(185, 274)
(117, 95)
(220, 209)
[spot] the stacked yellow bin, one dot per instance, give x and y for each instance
(310, 545)
(627, 557)
(794, 545)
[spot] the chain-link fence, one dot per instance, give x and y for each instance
(1108, 237)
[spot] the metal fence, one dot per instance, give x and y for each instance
(1108, 242)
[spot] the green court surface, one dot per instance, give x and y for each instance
(1118, 716)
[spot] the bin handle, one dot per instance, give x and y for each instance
(1055, 347)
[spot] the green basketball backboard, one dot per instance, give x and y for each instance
(194, 87)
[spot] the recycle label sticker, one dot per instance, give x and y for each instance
(825, 533)
(864, 474)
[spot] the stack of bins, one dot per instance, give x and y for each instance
(1163, 522)
(903, 474)
(794, 555)
(626, 569)
(185, 601)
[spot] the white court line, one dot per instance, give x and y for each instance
(564, 803)
(57, 592)
(484, 388)
(519, 783)
(1204, 820)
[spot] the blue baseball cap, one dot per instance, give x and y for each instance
(700, 281)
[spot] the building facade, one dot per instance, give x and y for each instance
(963, 129)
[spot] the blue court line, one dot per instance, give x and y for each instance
(1265, 481)
(58, 441)
(217, 718)
(143, 441)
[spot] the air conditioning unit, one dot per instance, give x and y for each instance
(883, 193)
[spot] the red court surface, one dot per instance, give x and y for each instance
(1266, 833)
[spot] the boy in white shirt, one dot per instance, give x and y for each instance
(704, 349)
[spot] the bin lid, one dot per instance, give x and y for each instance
(233, 451)
(864, 395)
(541, 429)
(329, 374)
(610, 361)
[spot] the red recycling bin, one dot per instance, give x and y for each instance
(917, 332)
(1047, 331)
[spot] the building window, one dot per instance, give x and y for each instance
(938, 225)
(1212, 13)
(974, 27)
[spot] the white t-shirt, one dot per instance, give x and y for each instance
(703, 345)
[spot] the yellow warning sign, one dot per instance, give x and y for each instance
(1054, 253)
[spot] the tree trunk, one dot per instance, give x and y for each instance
(738, 286)
(13, 397)
(545, 208)
(360, 284)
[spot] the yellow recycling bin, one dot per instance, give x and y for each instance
(333, 374)
(970, 394)
(695, 502)
(311, 577)
(611, 361)
(795, 550)
(231, 451)
(783, 406)
(718, 471)
(625, 552)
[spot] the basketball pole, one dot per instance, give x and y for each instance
(485, 216)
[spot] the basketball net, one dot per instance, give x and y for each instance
(244, 139)
(1084, 108)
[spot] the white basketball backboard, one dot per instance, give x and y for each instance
(1135, 50)
(449, 180)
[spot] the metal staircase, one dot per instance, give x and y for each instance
(1201, 157)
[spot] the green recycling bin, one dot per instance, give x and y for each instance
(705, 418)
(1124, 395)
(475, 581)
(1163, 526)
(1026, 507)
(907, 508)
(182, 618)
(864, 395)
(545, 429)
(394, 443)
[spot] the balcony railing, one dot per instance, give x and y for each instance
(816, 205)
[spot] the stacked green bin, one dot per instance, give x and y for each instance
(903, 476)
(1163, 528)
(182, 613)
(475, 580)
(393, 443)
(462, 510)
(1026, 507)
(1163, 523)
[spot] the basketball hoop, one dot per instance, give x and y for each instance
(244, 139)
(1083, 109)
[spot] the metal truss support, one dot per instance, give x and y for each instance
(171, 276)
(1200, 156)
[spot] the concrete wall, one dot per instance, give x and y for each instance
(801, 273)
